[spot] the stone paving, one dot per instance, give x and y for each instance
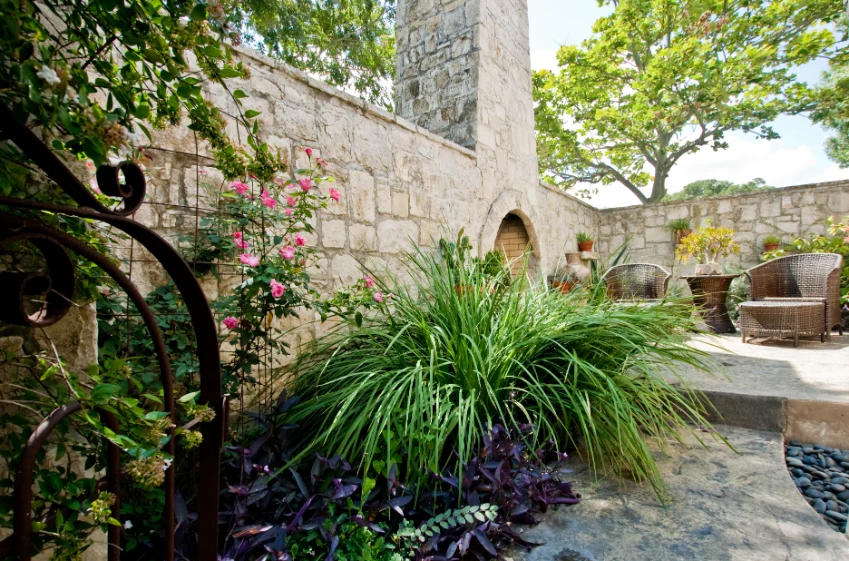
(724, 506)
(773, 367)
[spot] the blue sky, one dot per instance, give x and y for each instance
(796, 158)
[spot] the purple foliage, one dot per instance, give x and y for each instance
(259, 510)
(504, 474)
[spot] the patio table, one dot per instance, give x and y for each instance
(710, 293)
(783, 318)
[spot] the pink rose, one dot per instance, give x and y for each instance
(267, 200)
(230, 322)
(287, 252)
(300, 240)
(249, 259)
(277, 289)
(239, 187)
(308, 151)
(305, 183)
(378, 297)
(321, 162)
(240, 241)
(289, 212)
(334, 194)
(291, 201)
(369, 281)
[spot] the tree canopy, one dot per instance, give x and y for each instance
(714, 188)
(660, 79)
(832, 111)
(348, 43)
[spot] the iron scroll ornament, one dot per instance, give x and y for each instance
(50, 243)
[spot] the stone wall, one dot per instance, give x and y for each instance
(437, 67)
(400, 183)
(785, 212)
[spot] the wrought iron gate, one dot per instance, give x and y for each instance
(56, 287)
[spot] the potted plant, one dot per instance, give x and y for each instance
(706, 245)
(562, 283)
(585, 242)
(771, 243)
(680, 228)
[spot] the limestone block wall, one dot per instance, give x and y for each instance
(437, 66)
(400, 183)
(785, 212)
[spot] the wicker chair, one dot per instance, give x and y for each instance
(636, 281)
(808, 277)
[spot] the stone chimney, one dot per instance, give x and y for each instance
(464, 73)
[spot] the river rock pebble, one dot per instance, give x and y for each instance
(821, 473)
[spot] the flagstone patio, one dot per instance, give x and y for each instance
(723, 506)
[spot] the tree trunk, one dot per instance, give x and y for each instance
(658, 188)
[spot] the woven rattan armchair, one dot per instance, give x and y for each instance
(636, 281)
(807, 277)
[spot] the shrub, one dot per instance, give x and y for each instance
(421, 378)
(707, 244)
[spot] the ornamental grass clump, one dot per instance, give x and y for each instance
(422, 379)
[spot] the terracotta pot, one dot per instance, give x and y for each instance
(770, 246)
(585, 246)
(563, 286)
(681, 234)
(575, 268)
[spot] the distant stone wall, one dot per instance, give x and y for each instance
(786, 212)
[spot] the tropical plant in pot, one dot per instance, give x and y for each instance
(585, 242)
(771, 243)
(707, 245)
(680, 228)
(465, 269)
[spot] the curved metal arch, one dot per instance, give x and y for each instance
(183, 277)
(23, 480)
(27, 230)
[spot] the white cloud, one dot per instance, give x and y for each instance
(778, 162)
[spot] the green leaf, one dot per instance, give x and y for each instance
(153, 56)
(251, 113)
(142, 111)
(102, 392)
(198, 13)
(229, 72)
(189, 397)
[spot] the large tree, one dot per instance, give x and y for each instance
(660, 79)
(347, 43)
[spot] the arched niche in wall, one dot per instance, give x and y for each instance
(513, 240)
(512, 213)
